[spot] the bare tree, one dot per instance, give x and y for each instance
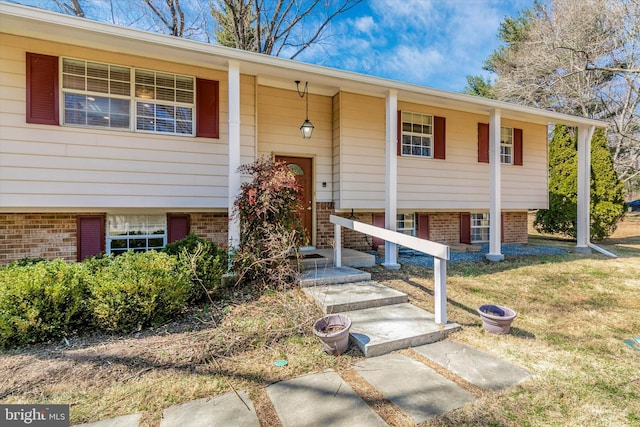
(580, 57)
(279, 28)
(72, 8)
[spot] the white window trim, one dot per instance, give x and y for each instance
(110, 238)
(133, 100)
(506, 144)
(488, 218)
(430, 135)
(405, 229)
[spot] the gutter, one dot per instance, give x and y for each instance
(602, 251)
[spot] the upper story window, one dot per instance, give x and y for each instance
(417, 134)
(506, 145)
(110, 96)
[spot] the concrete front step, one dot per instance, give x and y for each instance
(381, 330)
(354, 296)
(332, 275)
(322, 258)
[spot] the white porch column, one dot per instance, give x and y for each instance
(234, 150)
(391, 177)
(584, 180)
(495, 190)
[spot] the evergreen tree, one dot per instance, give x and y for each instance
(607, 191)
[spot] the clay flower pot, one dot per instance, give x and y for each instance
(496, 319)
(333, 331)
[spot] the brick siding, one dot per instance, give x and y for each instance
(37, 235)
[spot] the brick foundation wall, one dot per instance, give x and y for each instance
(444, 227)
(54, 235)
(324, 228)
(37, 235)
(516, 227)
(211, 226)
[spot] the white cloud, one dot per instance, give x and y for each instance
(364, 24)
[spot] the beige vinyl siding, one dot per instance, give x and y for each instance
(70, 167)
(361, 152)
(280, 114)
(460, 181)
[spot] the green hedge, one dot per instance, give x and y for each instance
(41, 300)
(134, 290)
(205, 262)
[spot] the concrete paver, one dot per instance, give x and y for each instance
(475, 366)
(321, 399)
(413, 387)
(225, 410)
(131, 420)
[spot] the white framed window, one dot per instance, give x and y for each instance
(506, 145)
(139, 233)
(96, 94)
(417, 134)
(479, 227)
(164, 102)
(110, 96)
(406, 223)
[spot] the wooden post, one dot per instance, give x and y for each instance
(440, 290)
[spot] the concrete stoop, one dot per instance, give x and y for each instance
(381, 330)
(353, 296)
(332, 276)
(382, 319)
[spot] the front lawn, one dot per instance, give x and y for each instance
(574, 311)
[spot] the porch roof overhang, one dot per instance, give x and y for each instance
(271, 71)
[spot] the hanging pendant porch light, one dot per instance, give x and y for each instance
(307, 127)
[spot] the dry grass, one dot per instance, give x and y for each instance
(574, 311)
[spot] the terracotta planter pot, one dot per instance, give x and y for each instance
(333, 331)
(496, 319)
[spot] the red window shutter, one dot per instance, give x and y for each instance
(483, 142)
(90, 236)
(42, 89)
(399, 130)
(378, 221)
(517, 147)
(465, 228)
(207, 109)
(439, 137)
(177, 227)
(423, 226)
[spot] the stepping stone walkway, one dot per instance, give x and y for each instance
(325, 399)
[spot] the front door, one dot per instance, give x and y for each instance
(301, 167)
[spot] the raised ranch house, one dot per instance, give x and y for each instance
(114, 139)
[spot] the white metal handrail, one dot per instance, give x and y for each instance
(439, 252)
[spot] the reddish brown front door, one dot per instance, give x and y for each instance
(301, 167)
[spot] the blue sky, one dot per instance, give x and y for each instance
(434, 43)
